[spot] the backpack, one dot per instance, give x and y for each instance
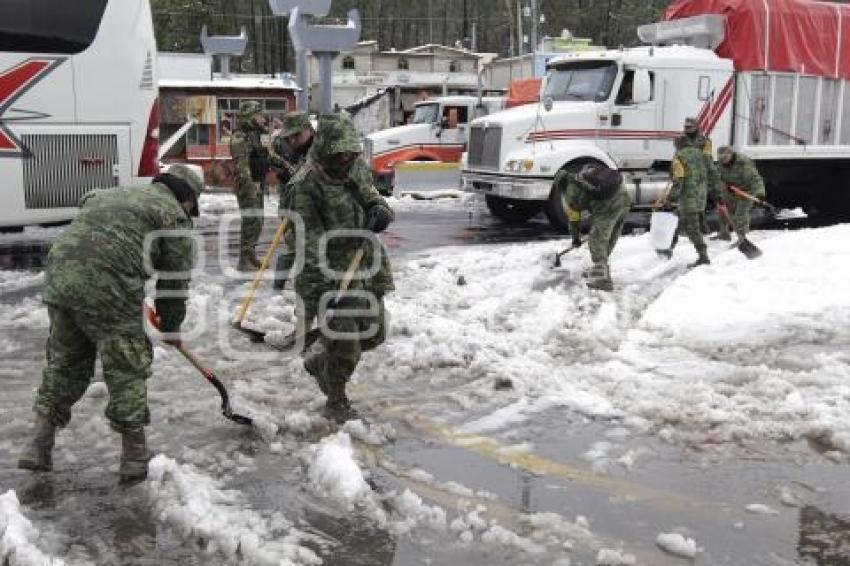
(601, 182)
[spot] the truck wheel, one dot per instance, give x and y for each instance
(556, 211)
(511, 210)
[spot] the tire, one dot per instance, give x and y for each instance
(556, 206)
(512, 210)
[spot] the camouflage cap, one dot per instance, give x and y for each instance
(185, 173)
(691, 123)
(248, 108)
(294, 122)
(725, 150)
(336, 134)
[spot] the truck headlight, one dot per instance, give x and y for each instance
(519, 165)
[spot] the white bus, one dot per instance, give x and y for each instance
(78, 103)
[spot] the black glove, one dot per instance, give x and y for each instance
(378, 217)
(576, 242)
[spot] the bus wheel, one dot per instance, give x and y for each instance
(511, 210)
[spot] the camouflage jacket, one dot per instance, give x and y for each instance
(325, 206)
(251, 159)
(98, 264)
(689, 180)
(742, 173)
(703, 143)
(578, 198)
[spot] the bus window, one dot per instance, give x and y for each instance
(49, 26)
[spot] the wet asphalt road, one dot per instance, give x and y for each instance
(112, 526)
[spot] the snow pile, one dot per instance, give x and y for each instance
(219, 521)
(612, 557)
(797, 290)
(18, 536)
(375, 434)
(761, 509)
(676, 544)
(334, 472)
(736, 351)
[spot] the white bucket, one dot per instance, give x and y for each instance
(662, 228)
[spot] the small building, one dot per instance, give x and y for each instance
(500, 73)
(189, 88)
(385, 85)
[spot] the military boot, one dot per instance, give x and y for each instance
(38, 455)
(134, 457)
(338, 408)
(701, 260)
(600, 278)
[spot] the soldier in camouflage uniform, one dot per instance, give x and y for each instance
(600, 191)
(291, 146)
(329, 195)
(689, 191)
(251, 161)
(94, 288)
(739, 171)
(694, 138)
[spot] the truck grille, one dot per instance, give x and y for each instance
(62, 168)
(484, 144)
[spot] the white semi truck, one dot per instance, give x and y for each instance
(625, 107)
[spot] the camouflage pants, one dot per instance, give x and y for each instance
(335, 359)
(73, 344)
(250, 201)
(604, 233)
(739, 210)
(689, 224)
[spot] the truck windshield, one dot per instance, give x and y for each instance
(581, 81)
(426, 113)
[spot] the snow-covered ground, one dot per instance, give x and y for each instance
(490, 352)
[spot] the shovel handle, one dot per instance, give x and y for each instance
(743, 194)
(193, 359)
(249, 298)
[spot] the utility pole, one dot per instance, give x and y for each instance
(430, 22)
(256, 65)
(535, 21)
(465, 31)
(519, 38)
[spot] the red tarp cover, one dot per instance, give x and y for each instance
(801, 36)
(523, 91)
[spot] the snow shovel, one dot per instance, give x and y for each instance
(559, 254)
(746, 247)
(743, 194)
(257, 336)
(208, 374)
(314, 334)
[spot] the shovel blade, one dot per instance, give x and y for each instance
(750, 250)
(255, 336)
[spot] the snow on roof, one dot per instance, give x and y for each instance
(241, 81)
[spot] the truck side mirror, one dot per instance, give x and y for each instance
(642, 88)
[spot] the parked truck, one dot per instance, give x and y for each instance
(768, 78)
(438, 132)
